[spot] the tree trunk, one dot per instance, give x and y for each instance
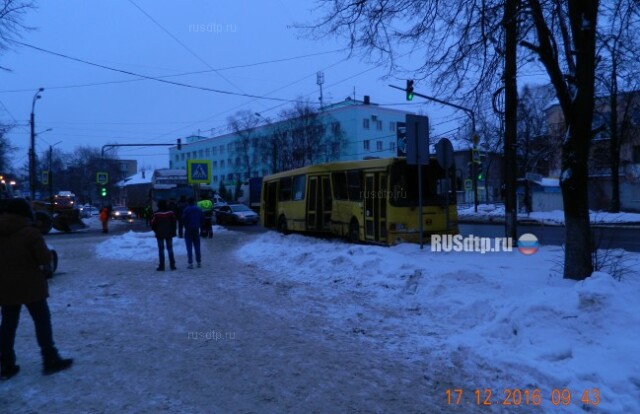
(575, 185)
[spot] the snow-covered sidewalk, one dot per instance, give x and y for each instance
(500, 320)
(276, 323)
(495, 213)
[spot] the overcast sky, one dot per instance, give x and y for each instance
(162, 38)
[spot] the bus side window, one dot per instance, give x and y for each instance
(299, 182)
(354, 180)
(285, 189)
(340, 189)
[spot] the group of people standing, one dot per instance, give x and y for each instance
(186, 221)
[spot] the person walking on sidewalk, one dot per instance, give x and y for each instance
(207, 209)
(182, 204)
(193, 219)
(163, 225)
(23, 253)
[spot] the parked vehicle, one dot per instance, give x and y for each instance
(121, 212)
(236, 214)
(51, 268)
(87, 211)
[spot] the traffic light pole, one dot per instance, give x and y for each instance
(108, 146)
(471, 115)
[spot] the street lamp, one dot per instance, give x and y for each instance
(32, 148)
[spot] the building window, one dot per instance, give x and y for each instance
(378, 145)
(366, 144)
(392, 146)
(177, 157)
(182, 156)
(200, 154)
(215, 178)
(221, 149)
(214, 165)
(379, 125)
(229, 177)
(365, 123)
(222, 164)
(214, 150)
(392, 126)
(229, 147)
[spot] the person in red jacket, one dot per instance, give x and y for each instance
(163, 225)
(23, 253)
(104, 218)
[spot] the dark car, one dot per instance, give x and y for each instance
(121, 212)
(236, 214)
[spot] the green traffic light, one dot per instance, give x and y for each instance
(409, 90)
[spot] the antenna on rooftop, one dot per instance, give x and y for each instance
(320, 82)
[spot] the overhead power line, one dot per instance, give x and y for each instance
(157, 79)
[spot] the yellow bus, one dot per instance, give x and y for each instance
(372, 201)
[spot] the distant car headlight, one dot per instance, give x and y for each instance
(117, 213)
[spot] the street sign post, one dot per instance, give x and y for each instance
(444, 155)
(102, 178)
(199, 171)
(418, 153)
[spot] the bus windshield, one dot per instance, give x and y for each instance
(404, 185)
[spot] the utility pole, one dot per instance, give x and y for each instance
(32, 147)
(510, 22)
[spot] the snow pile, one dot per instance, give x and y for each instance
(140, 247)
(495, 212)
(503, 319)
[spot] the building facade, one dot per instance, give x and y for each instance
(600, 158)
(348, 130)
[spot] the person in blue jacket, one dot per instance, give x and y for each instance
(193, 220)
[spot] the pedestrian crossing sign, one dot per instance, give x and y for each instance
(199, 171)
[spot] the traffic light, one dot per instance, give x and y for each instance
(179, 144)
(409, 90)
(481, 171)
(103, 191)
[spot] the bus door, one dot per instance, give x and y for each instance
(375, 207)
(313, 202)
(327, 201)
(270, 206)
(319, 203)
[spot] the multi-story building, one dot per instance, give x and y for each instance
(347, 130)
(600, 159)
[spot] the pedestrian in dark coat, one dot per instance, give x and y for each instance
(23, 253)
(163, 225)
(182, 204)
(193, 219)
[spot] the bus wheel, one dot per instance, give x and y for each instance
(282, 225)
(354, 232)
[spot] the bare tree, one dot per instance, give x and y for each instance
(464, 53)
(6, 149)
(11, 14)
(244, 124)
